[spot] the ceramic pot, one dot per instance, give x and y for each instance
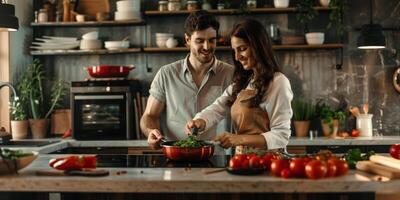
(281, 3)
(301, 128)
(19, 129)
(330, 130)
(39, 128)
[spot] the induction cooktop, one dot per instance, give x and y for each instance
(157, 161)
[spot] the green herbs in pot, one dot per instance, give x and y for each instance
(190, 142)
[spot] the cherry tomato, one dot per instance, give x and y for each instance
(297, 167)
(266, 161)
(250, 155)
(285, 173)
(254, 162)
(341, 166)
(235, 163)
(332, 169)
(240, 157)
(278, 165)
(316, 169)
(245, 164)
(355, 133)
(395, 151)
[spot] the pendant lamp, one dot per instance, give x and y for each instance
(371, 36)
(8, 20)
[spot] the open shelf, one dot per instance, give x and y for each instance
(89, 23)
(227, 48)
(235, 11)
(83, 52)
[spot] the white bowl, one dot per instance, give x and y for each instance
(162, 35)
(135, 4)
(90, 44)
(281, 3)
(127, 15)
(315, 38)
(161, 43)
(116, 44)
(94, 35)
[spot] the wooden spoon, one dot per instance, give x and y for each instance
(355, 111)
(365, 108)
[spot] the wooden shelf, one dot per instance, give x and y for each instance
(83, 52)
(227, 48)
(234, 11)
(89, 23)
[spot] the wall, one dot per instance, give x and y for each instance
(365, 76)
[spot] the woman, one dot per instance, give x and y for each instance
(259, 99)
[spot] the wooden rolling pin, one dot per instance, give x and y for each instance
(374, 168)
(386, 161)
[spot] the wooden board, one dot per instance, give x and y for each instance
(371, 167)
(85, 172)
(386, 160)
(91, 7)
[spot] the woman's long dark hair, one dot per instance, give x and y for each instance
(254, 33)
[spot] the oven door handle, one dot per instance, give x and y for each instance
(97, 97)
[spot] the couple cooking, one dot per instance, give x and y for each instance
(200, 91)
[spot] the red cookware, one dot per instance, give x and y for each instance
(109, 71)
(186, 154)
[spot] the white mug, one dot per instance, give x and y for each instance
(364, 125)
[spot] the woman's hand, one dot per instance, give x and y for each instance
(154, 139)
(199, 123)
(229, 140)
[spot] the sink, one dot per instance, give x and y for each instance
(27, 143)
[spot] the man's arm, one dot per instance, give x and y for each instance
(151, 116)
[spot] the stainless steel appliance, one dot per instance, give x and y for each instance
(104, 109)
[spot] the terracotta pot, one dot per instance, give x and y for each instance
(330, 131)
(60, 121)
(301, 128)
(39, 128)
(19, 129)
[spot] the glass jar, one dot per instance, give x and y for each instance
(192, 5)
(174, 5)
(220, 6)
(163, 5)
(42, 16)
(252, 4)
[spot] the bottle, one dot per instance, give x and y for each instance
(163, 6)
(66, 15)
(174, 5)
(36, 16)
(42, 16)
(192, 5)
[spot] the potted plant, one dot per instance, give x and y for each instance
(330, 120)
(336, 15)
(19, 122)
(33, 93)
(306, 12)
(303, 112)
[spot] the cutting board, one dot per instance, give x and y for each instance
(371, 167)
(85, 172)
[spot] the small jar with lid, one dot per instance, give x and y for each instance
(163, 5)
(174, 5)
(42, 15)
(252, 4)
(192, 5)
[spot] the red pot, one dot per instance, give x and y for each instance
(109, 71)
(187, 154)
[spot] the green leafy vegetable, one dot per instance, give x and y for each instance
(354, 155)
(190, 142)
(13, 154)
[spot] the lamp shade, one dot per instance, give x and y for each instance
(8, 20)
(371, 37)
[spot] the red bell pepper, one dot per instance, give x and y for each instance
(73, 162)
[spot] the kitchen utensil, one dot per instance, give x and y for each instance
(111, 45)
(186, 154)
(355, 111)
(11, 166)
(386, 161)
(212, 171)
(374, 168)
(107, 71)
(84, 172)
(365, 108)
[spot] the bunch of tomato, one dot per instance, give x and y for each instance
(323, 164)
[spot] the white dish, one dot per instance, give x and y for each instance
(128, 4)
(90, 44)
(127, 15)
(55, 43)
(116, 45)
(61, 38)
(281, 3)
(56, 47)
(94, 35)
(161, 35)
(315, 38)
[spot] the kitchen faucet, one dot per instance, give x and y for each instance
(2, 84)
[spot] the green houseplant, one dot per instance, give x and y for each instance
(306, 12)
(19, 122)
(330, 120)
(336, 15)
(303, 112)
(32, 96)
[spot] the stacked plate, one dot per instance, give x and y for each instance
(90, 41)
(161, 39)
(128, 10)
(55, 43)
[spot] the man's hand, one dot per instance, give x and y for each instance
(229, 140)
(199, 123)
(154, 139)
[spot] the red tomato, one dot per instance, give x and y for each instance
(235, 163)
(297, 167)
(355, 133)
(395, 151)
(341, 166)
(285, 173)
(250, 155)
(278, 165)
(240, 157)
(254, 162)
(245, 164)
(332, 169)
(266, 161)
(316, 169)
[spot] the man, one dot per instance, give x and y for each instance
(185, 87)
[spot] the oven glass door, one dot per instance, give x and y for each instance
(100, 116)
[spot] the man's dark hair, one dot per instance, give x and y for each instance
(200, 20)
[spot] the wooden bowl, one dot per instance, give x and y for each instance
(12, 166)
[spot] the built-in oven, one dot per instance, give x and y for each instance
(104, 110)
